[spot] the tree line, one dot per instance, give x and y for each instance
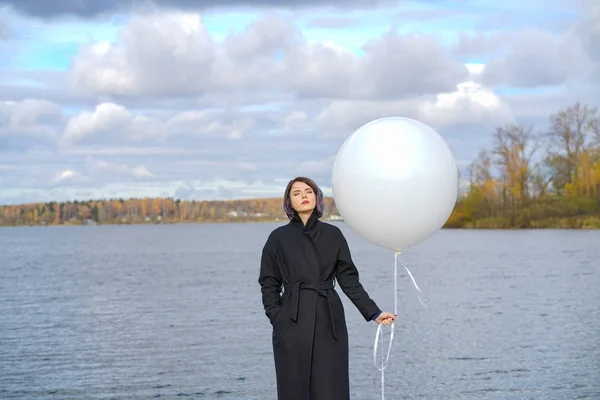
(537, 179)
(528, 179)
(146, 210)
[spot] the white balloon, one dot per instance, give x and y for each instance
(395, 182)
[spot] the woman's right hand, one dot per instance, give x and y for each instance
(386, 318)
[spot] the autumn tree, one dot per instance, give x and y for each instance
(513, 149)
(482, 188)
(571, 130)
(84, 212)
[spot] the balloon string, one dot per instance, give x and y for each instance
(379, 334)
(413, 281)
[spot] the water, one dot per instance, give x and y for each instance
(172, 311)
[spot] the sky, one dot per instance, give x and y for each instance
(195, 100)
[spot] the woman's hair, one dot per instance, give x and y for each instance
(287, 203)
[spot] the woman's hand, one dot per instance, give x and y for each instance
(386, 318)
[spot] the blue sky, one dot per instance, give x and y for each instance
(163, 87)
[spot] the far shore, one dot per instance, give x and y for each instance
(572, 224)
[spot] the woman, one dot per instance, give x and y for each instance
(310, 339)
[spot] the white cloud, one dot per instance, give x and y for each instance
(247, 166)
(106, 118)
(318, 169)
(142, 172)
(98, 168)
(68, 176)
(5, 28)
(552, 62)
(470, 103)
(35, 118)
(588, 30)
(171, 54)
(475, 69)
(110, 122)
(166, 52)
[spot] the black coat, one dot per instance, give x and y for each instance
(310, 338)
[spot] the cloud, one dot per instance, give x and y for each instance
(94, 8)
(468, 104)
(536, 58)
(588, 31)
(589, 28)
(532, 57)
(114, 124)
(5, 28)
(107, 118)
(68, 176)
(167, 55)
(99, 168)
(170, 53)
(29, 123)
(331, 22)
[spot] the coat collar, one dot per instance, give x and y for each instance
(310, 223)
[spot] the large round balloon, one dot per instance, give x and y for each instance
(395, 182)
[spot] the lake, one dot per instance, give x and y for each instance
(174, 311)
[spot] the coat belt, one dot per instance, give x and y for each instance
(321, 288)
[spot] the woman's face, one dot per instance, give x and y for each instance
(303, 198)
